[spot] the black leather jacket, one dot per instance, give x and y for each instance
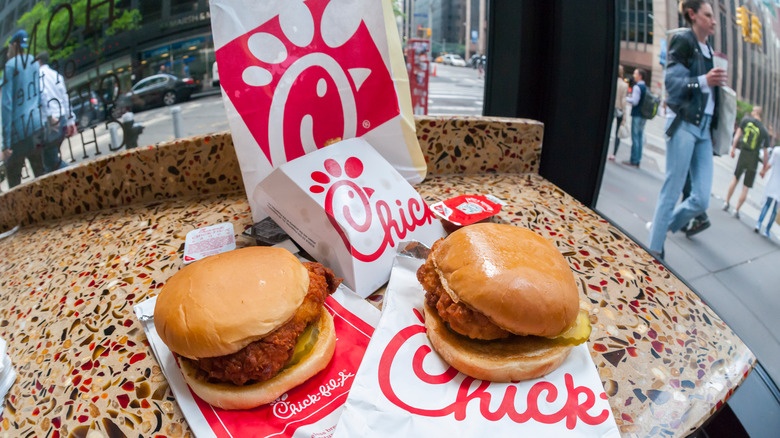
(685, 63)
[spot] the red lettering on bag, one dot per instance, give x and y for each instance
(395, 222)
(571, 411)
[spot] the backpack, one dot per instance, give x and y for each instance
(648, 106)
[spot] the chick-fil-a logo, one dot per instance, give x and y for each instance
(395, 221)
(542, 391)
(284, 409)
(310, 73)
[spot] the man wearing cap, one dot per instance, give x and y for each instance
(21, 112)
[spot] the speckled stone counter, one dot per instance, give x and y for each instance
(99, 238)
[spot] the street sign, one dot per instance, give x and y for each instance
(474, 36)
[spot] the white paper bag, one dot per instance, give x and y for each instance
(723, 136)
(348, 208)
(296, 74)
(404, 389)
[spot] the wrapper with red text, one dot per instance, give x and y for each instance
(348, 208)
(309, 410)
(295, 75)
(403, 388)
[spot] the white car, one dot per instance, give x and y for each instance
(452, 59)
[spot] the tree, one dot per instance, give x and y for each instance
(74, 28)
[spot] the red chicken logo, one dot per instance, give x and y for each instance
(310, 74)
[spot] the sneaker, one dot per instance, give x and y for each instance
(611, 158)
(649, 225)
(697, 227)
(630, 164)
(657, 255)
(736, 214)
(766, 233)
(755, 230)
(726, 206)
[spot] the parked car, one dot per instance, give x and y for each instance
(159, 89)
(88, 108)
(453, 59)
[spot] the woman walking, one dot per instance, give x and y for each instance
(620, 106)
(692, 85)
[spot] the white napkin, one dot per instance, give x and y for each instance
(7, 374)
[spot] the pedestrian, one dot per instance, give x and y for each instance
(58, 119)
(751, 137)
(638, 93)
(620, 105)
(692, 84)
(21, 98)
(771, 191)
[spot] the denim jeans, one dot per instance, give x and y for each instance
(764, 211)
(688, 150)
(618, 122)
(52, 159)
(637, 138)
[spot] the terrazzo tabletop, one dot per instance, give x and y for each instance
(98, 238)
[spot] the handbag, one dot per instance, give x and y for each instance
(727, 115)
(623, 131)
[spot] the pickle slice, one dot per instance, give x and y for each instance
(578, 332)
(305, 344)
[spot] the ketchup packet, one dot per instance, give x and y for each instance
(404, 389)
(203, 242)
(467, 209)
(310, 409)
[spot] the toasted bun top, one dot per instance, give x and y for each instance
(220, 304)
(515, 277)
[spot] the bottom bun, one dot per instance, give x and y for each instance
(503, 360)
(229, 396)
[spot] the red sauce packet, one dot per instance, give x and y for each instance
(467, 209)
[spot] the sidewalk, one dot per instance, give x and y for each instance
(734, 270)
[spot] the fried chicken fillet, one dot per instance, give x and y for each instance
(460, 317)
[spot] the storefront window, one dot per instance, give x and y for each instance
(190, 58)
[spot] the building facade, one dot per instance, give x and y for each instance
(171, 35)
(454, 24)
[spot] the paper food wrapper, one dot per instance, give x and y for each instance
(348, 208)
(297, 74)
(404, 389)
(309, 410)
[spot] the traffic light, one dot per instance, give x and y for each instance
(755, 30)
(743, 22)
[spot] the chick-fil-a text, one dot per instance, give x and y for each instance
(542, 391)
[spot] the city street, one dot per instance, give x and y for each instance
(452, 91)
(455, 90)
